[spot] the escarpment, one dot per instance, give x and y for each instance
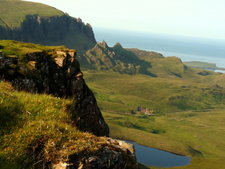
(54, 141)
(53, 30)
(56, 72)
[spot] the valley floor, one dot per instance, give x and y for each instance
(196, 133)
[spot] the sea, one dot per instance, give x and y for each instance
(186, 48)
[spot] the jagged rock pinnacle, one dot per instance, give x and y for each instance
(118, 45)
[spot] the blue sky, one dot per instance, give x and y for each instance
(197, 18)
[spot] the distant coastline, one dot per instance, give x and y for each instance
(205, 65)
(186, 48)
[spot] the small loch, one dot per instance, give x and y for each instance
(154, 157)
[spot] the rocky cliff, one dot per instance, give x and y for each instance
(44, 25)
(57, 72)
(43, 136)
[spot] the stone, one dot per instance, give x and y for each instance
(116, 154)
(88, 116)
(58, 74)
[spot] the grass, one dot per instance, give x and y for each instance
(123, 93)
(13, 48)
(195, 134)
(192, 131)
(13, 12)
(36, 130)
(192, 124)
(188, 115)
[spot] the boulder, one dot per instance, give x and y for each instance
(116, 154)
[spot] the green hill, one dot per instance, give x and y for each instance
(103, 57)
(135, 61)
(42, 24)
(14, 12)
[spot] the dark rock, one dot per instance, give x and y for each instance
(56, 73)
(88, 116)
(54, 30)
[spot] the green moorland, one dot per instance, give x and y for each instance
(13, 12)
(123, 93)
(188, 115)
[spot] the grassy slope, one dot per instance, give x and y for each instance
(36, 127)
(134, 61)
(13, 12)
(122, 93)
(20, 49)
(118, 59)
(168, 66)
(198, 134)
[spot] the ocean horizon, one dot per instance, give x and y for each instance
(186, 48)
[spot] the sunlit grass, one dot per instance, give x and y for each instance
(13, 12)
(196, 131)
(37, 127)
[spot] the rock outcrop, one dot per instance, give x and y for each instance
(54, 30)
(56, 72)
(116, 154)
(117, 58)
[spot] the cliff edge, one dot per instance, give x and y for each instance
(42, 129)
(53, 71)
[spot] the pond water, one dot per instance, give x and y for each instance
(154, 157)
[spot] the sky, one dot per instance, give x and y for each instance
(195, 18)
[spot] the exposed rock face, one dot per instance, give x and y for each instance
(115, 155)
(87, 114)
(55, 30)
(58, 73)
(103, 57)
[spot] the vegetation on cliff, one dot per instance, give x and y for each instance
(35, 128)
(56, 71)
(43, 131)
(103, 57)
(36, 131)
